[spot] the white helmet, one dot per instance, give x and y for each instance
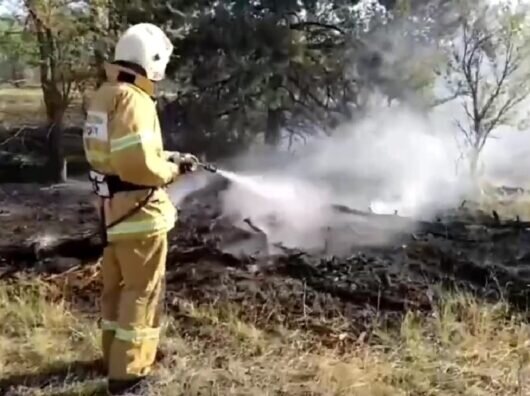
(145, 45)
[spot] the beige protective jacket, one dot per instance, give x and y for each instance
(122, 137)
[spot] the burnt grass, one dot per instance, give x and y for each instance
(45, 233)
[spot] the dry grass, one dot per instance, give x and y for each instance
(511, 208)
(25, 106)
(35, 333)
(507, 206)
(464, 348)
(21, 106)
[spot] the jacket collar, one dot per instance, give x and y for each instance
(117, 73)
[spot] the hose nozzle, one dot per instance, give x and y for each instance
(208, 167)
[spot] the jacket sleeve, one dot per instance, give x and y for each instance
(134, 151)
(168, 154)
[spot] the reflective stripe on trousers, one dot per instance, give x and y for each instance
(137, 336)
(140, 226)
(108, 325)
(134, 336)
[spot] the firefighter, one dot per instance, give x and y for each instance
(129, 170)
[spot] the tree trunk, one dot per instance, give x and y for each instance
(475, 172)
(473, 163)
(54, 100)
(14, 72)
(99, 56)
(56, 160)
(273, 131)
(55, 109)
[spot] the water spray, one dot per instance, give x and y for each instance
(249, 183)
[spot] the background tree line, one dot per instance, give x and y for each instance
(275, 72)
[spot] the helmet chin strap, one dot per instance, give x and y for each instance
(133, 66)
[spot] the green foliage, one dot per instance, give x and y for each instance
(65, 37)
(251, 70)
(288, 68)
(17, 48)
(240, 62)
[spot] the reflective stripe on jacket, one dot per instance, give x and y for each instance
(122, 137)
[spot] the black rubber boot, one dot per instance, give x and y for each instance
(125, 387)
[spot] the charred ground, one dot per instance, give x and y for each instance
(46, 232)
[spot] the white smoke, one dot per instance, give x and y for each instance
(506, 157)
(186, 185)
(396, 160)
(393, 161)
(288, 209)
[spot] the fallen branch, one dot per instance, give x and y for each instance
(82, 247)
(12, 137)
(249, 222)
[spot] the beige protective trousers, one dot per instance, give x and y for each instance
(132, 302)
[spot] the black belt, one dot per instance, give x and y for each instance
(113, 184)
(117, 185)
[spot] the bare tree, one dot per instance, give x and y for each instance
(489, 74)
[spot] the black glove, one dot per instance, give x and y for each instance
(173, 156)
(186, 162)
(186, 167)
